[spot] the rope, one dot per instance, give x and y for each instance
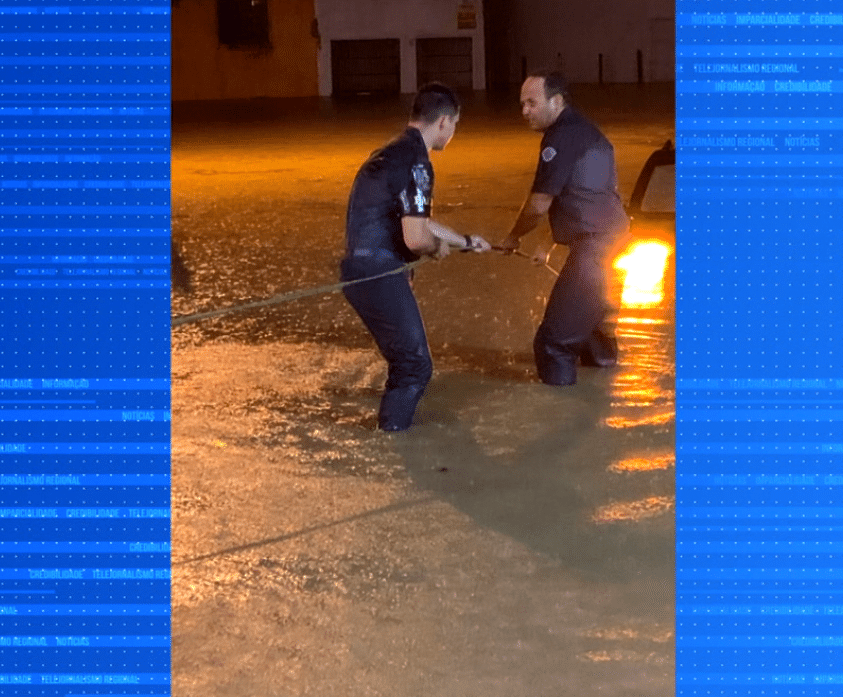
(519, 253)
(286, 297)
(296, 294)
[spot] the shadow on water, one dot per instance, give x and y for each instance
(539, 484)
(501, 364)
(583, 474)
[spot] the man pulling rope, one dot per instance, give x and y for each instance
(388, 225)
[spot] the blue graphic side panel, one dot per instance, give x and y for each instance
(759, 370)
(84, 348)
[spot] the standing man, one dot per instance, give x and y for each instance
(388, 225)
(576, 183)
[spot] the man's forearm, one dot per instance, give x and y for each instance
(426, 236)
(417, 235)
(530, 215)
(443, 232)
(527, 221)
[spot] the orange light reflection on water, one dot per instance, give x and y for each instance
(649, 507)
(646, 463)
(644, 265)
(657, 419)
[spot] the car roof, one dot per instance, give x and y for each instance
(665, 155)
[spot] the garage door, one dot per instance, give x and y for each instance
(448, 60)
(366, 66)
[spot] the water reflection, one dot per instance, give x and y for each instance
(643, 388)
(648, 463)
(645, 321)
(640, 509)
(643, 393)
(659, 419)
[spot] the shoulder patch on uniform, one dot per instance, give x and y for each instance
(421, 177)
(548, 154)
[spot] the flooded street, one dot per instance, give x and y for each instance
(518, 540)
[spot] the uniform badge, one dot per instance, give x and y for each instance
(421, 177)
(548, 154)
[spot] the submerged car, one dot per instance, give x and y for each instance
(652, 206)
(645, 260)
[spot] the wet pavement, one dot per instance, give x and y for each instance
(518, 540)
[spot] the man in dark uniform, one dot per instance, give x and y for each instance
(576, 184)
(388, 225)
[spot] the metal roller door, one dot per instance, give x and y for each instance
(448, 60)
(366, 66)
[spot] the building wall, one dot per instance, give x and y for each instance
(406, 20)
(522, 33)
(203, 69)
(571, 35)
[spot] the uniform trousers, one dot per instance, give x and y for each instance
(571, 327)
(390, 312)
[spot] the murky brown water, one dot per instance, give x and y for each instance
(518, 540)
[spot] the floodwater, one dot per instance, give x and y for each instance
(518, 540)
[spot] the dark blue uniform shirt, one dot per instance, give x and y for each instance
(396, 181)
(577, 167)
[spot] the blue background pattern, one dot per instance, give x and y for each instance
(759, 379)
(84, 366)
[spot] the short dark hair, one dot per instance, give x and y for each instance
(434, 100)
(554, 83)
